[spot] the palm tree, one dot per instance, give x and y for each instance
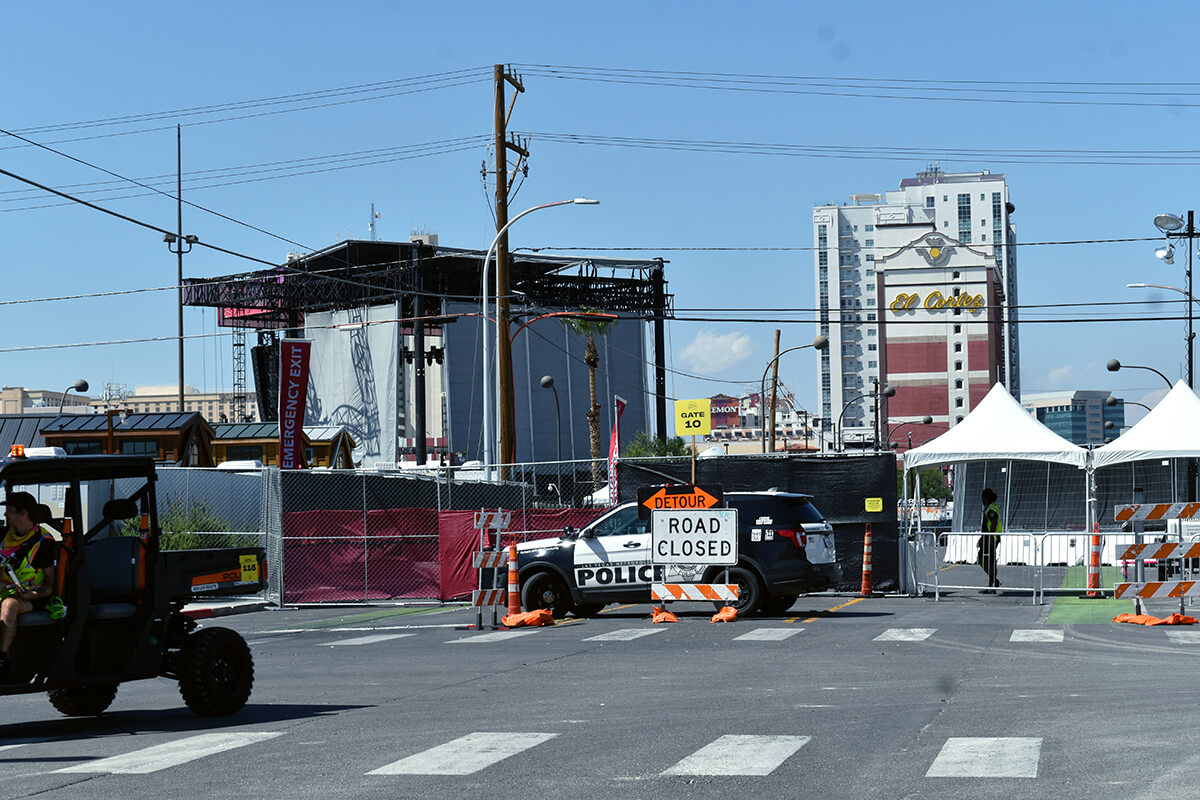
(591, 328)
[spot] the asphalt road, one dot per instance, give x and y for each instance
(970, 697)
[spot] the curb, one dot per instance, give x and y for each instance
(206, 612)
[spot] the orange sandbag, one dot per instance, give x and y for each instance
(662, 615)
(1146, 619)
(542, 616)
(726, 614)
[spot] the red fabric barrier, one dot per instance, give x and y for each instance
(327, 559)
(408, 552)
(458, 539)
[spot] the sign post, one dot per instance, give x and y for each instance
(693, 418)
(694, 539)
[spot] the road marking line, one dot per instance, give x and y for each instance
(1183, 637)
(1036, 635)
(905, 635)
(984, 757)
(489, 638)
(11, 746)
(465, 755)
(767, 634)
(357, 628)
(740, 755)
(624, 635)
(618, 608)
(835, 608)
(379, 637)
(171, 754)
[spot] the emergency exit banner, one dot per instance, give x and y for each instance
(693, 417)
(706, 537)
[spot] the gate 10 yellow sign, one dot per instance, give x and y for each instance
(693, 417)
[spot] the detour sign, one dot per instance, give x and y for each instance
(681, 497)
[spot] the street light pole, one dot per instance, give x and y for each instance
(839, 434)
(819, 343)
(548, 383)
(1114, 365)
(483, 310)
(1175, 228)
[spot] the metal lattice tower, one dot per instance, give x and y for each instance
(239, 374)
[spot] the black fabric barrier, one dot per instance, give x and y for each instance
(839, 484)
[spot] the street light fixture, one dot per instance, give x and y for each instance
(1174, 227)
(483, 310)
(819, 343)
(839, 431)
(1111, 401)
(926, 420)
(78, 386)
(1114, 365)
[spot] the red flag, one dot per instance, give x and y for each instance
(293, 392)
(614, 447)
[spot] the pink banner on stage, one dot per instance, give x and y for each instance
(293, 392)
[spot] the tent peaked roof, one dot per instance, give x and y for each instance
(997, 429)
(1170, 430)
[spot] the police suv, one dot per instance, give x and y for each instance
(785, 547)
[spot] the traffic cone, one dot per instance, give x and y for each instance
(514, 590)
(1093, 573)
(867, 584)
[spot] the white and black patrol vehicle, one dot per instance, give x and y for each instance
(785, 547)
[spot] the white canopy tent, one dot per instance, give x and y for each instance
(1170, 430)
(998, 429)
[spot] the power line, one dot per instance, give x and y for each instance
(450, 80)
(156, 191)
(797, 248)
(470, 143)
(873, 88)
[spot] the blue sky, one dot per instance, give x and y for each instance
(82, 61)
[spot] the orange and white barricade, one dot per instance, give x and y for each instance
(694, 591)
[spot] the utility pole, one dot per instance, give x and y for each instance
(774, 386)
(505, 416)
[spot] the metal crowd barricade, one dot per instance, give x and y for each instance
(1038, 562)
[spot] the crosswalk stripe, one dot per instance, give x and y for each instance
(1184, 637)
(152, 759)
(487, 638)
(624, 635)
(740, 755)
(1036, 635)
(465, 755)
(987, 757)
(905, 635)
(379, 637)
(767, 634)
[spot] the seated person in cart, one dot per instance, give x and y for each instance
(28, 553)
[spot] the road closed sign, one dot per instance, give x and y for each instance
(707, 537)
(693, 417)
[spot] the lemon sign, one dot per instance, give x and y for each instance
(693, 417)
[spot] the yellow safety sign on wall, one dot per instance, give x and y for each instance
(693, 417)
(874, 505)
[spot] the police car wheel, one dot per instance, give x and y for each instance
(778, 604)
(544, 590)
(750, 591)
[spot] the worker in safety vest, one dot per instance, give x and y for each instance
(990, 540)
(27, 553)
